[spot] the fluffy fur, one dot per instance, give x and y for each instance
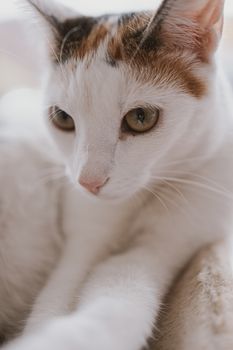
(169, 191)
(199, 309)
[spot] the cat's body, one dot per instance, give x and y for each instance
(114, 260)
(29, 218)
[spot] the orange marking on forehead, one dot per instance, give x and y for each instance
(152, 61)
(151, 53)
(80, 37)
(93, 41)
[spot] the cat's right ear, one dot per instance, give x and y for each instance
(49, 16)
(49, 12)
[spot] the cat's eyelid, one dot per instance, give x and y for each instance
(144, 106)
(131, 127)
(56, 108)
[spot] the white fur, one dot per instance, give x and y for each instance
(169, 193)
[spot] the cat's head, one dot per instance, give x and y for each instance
(129, 94)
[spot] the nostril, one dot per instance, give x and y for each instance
(93, 186)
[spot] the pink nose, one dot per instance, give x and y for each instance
(93, 186)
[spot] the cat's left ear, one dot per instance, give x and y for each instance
(194, 24)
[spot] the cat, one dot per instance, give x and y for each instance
(141, 114)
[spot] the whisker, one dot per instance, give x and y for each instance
(201, 177)
(57, 58)
(52, 174)
(66, 37)
(174, 203)
(197, 185)
(183, 161)
(177, 190)
(52, 115)
(146, 33)
(157, 196)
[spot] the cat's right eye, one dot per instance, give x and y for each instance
(61, 119)
(140, 120)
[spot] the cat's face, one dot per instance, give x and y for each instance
(128, 93)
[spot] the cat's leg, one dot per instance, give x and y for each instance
(89, 237)
(56, 298)
(119, 303)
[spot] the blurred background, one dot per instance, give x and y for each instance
(19, 66)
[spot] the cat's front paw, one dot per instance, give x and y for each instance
(40, 341)
(66, 334)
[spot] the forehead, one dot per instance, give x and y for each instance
(126, 40)
(82, 36)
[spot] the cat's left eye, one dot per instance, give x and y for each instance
(61, 119)
(140, 120)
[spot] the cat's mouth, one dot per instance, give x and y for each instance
(103, 195)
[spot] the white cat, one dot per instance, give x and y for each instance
(143, 120)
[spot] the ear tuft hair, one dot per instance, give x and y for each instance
(192, 24)
(51, 15)
(50, 9)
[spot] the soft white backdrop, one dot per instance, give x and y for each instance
(8, 8)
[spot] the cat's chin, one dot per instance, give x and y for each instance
(111, 198)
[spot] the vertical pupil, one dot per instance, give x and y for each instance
(63, 116)
(140, 115)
